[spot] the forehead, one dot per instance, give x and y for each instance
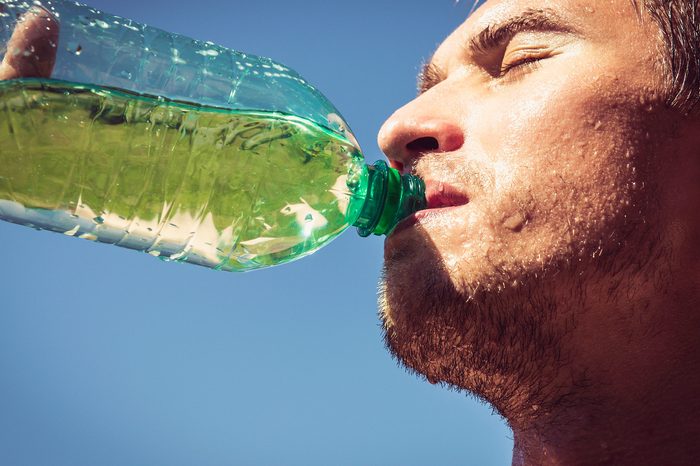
(596, 19)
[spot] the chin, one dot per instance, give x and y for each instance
(492, 326)
(444, 329)
(433, 277)
(413, 274)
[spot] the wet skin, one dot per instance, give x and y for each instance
(562, 235)
(556, 273)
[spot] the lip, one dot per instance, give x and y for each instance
(440, 197)
(439, 194)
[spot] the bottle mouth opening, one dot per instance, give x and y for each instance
(390, 197)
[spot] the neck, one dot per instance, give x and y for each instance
(638, 402)
(619, 432)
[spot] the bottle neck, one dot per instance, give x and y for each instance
(389, 198)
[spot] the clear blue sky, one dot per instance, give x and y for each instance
(112, 357)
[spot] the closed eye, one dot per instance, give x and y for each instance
(519, 66)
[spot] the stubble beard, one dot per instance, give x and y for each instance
(506, 341)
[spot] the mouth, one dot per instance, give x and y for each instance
(440, 197)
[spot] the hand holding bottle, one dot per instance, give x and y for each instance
(31, 51)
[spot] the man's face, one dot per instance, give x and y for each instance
(542, 139)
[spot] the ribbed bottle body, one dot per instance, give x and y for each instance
(122, 133)
(79, 44)
(228, 189)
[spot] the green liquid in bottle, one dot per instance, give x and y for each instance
(122, 133)
(231, 190)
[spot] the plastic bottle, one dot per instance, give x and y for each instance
(125, 134)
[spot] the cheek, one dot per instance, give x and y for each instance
(564, 169)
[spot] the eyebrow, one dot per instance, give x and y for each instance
(497, 34)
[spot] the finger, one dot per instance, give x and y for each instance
(31, 51)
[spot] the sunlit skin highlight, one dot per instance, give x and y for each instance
(564, 291)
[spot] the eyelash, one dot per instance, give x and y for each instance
(518, 67)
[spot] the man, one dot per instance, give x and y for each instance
(555, 274)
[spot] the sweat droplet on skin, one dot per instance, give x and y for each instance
(515, 222)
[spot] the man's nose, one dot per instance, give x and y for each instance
(412, 132)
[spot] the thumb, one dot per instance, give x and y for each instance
(31, 50)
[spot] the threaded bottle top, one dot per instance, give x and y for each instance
(384, 198)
